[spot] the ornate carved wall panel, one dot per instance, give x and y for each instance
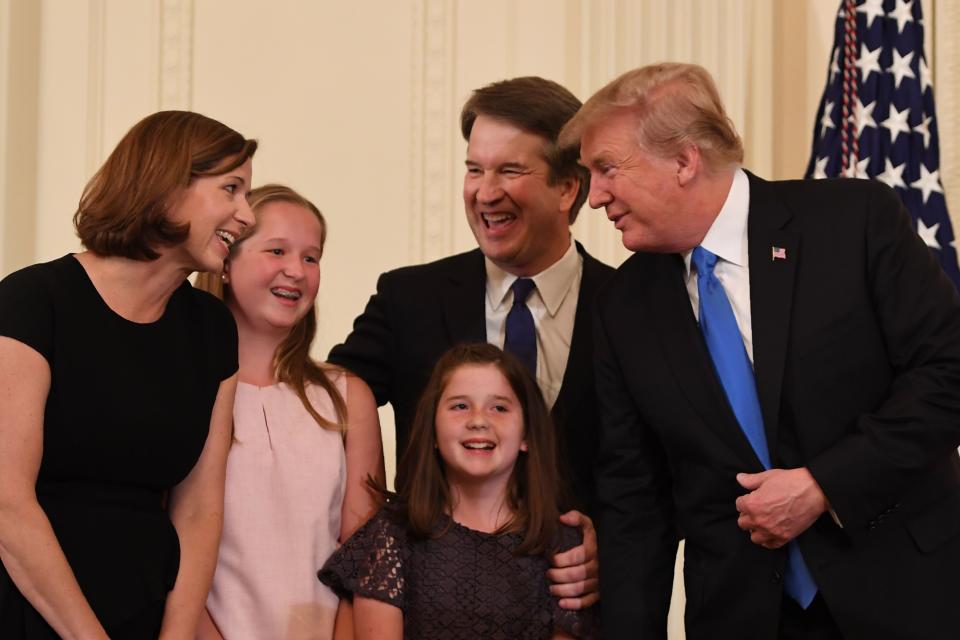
(176, 54)
(431, 129)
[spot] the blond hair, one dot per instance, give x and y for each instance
(675, 104)
(292, 362)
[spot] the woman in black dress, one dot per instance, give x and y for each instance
(116, 387)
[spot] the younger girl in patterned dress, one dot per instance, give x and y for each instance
(306, 438)
(461, 549)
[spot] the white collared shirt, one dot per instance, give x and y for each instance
(553, 305)
(727, 239)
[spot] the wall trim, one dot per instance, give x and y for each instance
(433, 55)
(176, 54)
(5, 47)
(96, 52)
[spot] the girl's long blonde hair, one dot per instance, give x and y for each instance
(292, 362)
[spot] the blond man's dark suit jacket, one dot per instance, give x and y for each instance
(421, 311)
(856, 337)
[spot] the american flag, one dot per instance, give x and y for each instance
(876, 119)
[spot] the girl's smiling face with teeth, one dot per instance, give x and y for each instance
(274, 273)
(479, 425)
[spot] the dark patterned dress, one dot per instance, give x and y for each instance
(463, 585)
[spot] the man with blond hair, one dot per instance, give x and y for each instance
(778, 369)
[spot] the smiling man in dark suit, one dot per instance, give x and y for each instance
(778, 368)
(528, 287)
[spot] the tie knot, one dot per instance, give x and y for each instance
(521, 288)
(704, 261)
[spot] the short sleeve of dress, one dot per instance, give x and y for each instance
(370, 563)
(26, 309)
(584, 623)
(221, 331)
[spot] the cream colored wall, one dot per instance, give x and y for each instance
(356, 104)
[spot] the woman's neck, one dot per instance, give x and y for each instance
(137, 290)
(480, 506)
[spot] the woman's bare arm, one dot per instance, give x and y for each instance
(28, 546)
(196, 509)
(207, 630)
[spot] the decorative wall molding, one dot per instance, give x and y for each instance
(432, 111)
(417, 64)
(5, 46)
(96, 52)
(176, 54)
(19, 105)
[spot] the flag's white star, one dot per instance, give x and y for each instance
(928, 182)
(926, 77)
(868, 61)
(896, 122)
(928, 234)
(857, 169)
(872, 8)
(834, 64)
(901, 67)
(903, 13)
(826, 122)
(924, 129)
(820, 170)
(892, 175)
(864, 116)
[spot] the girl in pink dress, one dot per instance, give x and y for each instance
(306, 437)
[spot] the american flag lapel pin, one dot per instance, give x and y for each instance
(778, 253)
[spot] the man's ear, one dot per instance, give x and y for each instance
(688, 164)
(569, 187)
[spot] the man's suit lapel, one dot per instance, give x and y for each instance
(580, 358)
(463, 300)
(771, 296)
(686, 351)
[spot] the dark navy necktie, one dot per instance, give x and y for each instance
(521, 334)
(725, 343)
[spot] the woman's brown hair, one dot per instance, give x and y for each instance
(292, 362)
(533, 494)
(123, 209)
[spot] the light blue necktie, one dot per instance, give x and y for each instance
(722, 335)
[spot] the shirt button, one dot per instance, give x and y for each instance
(777, 576)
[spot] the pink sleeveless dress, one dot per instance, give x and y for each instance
(286, 477)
